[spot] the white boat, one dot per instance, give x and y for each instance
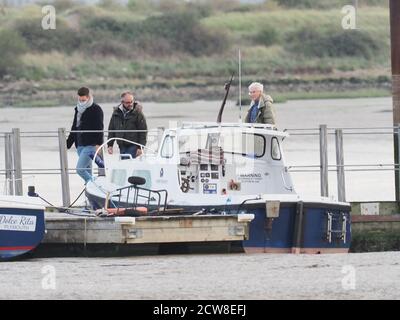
(228, 168)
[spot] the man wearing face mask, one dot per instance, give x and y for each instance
(88, 117)
(128, 116)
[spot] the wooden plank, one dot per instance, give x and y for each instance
(385, 207)
(145, 230)
(150, 222)
(361, 219)
(204, 234)
(84, 236)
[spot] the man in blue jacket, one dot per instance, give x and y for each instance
(88, 117)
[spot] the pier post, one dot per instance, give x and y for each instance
(341, 183)
(395, 45)
(16, 141)
(9, 163)
(66, 197)
(323, 150)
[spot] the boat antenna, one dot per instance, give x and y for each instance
(221, 110)
(240, 86)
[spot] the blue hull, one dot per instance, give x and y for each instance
(21, 230)
(309, 228)
(317, 228)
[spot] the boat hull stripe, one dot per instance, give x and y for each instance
(16, 248)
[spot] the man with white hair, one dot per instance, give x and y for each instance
(261, 109)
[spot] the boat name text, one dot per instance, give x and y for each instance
(17, 223)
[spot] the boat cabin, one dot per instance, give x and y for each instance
(210, 159)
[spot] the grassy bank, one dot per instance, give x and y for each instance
(180, 51)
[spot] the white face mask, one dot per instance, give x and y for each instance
(86, 103)
(82, 103)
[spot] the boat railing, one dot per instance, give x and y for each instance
(136, 200)
(100, 150)
(205, 125)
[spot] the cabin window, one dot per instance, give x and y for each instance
(246, 144)
(231, 141)
(253, 145)
(192, 142)
(167, 150)
(146, 174)
(275, 149)
(118, 176)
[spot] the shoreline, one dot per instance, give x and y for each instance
(52, 93)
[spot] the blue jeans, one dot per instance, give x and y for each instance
(84, 165)
(129, 150)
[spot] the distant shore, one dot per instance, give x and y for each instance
(57, 92)
(181, 52)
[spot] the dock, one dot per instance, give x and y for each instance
(375, 226)
(68, 235)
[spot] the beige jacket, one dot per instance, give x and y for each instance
(266, 112)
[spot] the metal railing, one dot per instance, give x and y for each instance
(323, 167)
(13, 171)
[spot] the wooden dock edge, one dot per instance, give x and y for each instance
(91, 236)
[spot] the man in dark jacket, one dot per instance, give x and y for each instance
(128, 116)
(88, 117)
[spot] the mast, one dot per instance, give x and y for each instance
(240, 86)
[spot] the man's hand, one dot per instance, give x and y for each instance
(99, 152)
(139, 152)
(110, 150)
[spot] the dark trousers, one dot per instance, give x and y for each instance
(131, 149)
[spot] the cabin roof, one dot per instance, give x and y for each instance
(246, 127)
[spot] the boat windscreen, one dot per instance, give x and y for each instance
(235, 142)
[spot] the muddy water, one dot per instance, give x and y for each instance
(237, 276)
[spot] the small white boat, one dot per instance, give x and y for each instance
(227, 168)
